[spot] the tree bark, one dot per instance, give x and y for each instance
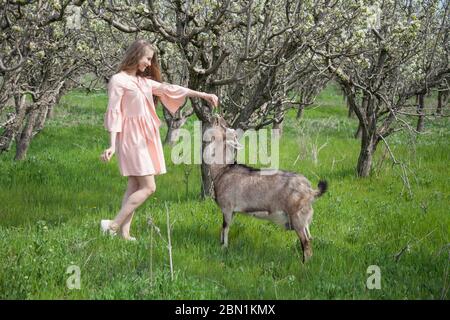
(40, 120)
(300, 112)
(350, 111)
(439, 103)
(442, 99)
(207, 188)
(358, 133)
(11, 130)
(172, 130)
(51, 112)
(24, 140)
(51, 107)
(368, 146)
(279, 126)
(420, 111)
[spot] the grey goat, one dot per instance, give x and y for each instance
(282, 197)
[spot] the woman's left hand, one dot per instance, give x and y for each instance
(212, 99)
(107, 154)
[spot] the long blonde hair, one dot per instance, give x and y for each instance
(131, 59)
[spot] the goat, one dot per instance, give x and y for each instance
(282, 197)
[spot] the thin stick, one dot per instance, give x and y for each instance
(169, 245)
(445, 287)
(151, 256)
(298, 157)
(410, 244)
(404, 175)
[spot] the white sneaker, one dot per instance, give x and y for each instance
(104, 227)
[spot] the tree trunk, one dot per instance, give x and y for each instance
(420, 111)
(207, 188)
(368, 138)
(439, 103)
(368, 147)
(172, 132)
(171, 135)
(24, 140)
(51, 112)
(51, 108)
(358, 133)
(300, 112)
(41, 119)
(347, 100)
(442, 99)
(350, 111)
(11, 130)
(279, 126)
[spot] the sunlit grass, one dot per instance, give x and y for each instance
(52, 203)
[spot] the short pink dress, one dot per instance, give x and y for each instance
(131, 113)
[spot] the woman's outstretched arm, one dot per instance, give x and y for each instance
(212, 99)
(174, 96)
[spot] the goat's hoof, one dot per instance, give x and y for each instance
(306, 257)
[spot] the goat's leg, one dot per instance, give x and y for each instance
(299, 224)
(308, 233)
(306, 244)
(308, 223)
(227, 218)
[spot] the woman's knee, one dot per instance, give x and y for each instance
(133, 183)
(147, 185)
(149, 190)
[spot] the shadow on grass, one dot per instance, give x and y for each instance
(242, 249)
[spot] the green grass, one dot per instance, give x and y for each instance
(52, 202)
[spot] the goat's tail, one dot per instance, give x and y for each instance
(323, 187)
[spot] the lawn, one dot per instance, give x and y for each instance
(52, 202)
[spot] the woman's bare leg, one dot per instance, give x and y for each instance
(146, 188)
(133, 186)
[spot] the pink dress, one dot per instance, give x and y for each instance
(131, 113)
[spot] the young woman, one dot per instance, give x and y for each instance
(133, 124)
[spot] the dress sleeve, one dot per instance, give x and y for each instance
(171, 95)
(113, 116)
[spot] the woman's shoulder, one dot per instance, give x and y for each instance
(119, 76)
(119, 79)
(152, 82)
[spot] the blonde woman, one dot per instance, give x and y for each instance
(133, 124)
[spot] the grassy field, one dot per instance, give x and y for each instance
(52, 202)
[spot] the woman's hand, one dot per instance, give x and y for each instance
(212, 99)
(107, 154)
